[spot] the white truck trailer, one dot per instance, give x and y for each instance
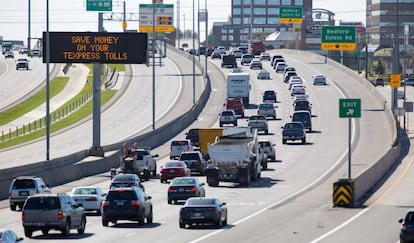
(233, 157)
(238, 85)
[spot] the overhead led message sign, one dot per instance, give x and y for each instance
(96, 47)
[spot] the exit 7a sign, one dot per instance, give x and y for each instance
(338, 38)
(349, 108)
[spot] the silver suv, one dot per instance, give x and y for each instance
(52, 211)
(228, 117)
(23, 187)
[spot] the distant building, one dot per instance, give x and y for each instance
(382, 18)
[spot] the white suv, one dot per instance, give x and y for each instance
(24, 186)
(228, 117)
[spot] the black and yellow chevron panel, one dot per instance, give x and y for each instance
(343, 193)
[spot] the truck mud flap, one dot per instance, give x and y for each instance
(244, 176)
(212, 177)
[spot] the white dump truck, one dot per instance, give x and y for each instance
(238, 85)
(139, 161)
(233, 157)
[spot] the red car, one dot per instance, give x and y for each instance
(235, 104)
(172, 169)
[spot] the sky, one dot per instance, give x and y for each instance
(71, 15)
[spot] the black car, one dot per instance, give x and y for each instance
(192, 134)
(129, 203)
(407, 227)
(302, 105)
(269, 95)
(199, 210)
(126, 180)
(379, 81)
(182, 188)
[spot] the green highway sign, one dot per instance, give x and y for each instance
(98, 5)
(349, 108)
(291, 15)
(338, 38)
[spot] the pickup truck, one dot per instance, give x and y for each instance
(293, 131)
(139, 161)
(258, 122)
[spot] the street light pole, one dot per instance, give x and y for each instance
(193, 53)
(47, 84)
(28, 28)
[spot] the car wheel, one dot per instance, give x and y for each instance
(141, 219)
(154, 172)
(218, 223)
(169, 201)
(283, 141)
(266, 132)
(150, 217)
(28, 232)
(81, 229)
(45, 231)
(221, 124)
(303, 140)
(13, 207)
(224, 221)
(181, 224)
(273, 158)
(105, 222)
(265, 165)
(66, 229)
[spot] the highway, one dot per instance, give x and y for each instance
(292, 202)
(130, 115)
(17, 84)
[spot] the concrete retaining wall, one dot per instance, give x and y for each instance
(78, 165)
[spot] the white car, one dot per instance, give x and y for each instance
(319, 79)
(90, 197)
(294, 80)
(263, 74)
(297, 89)
(280, 66)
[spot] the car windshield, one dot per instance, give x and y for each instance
(227, 113)
(84, 191)
(124, 178)
(42, 203)
(200, 202)
(183, 182)
(293, 126)
(173, 164)
(121, 194)
(266, 106)
(23, 184)
(179, 143)
(188, 156)
(257, 118)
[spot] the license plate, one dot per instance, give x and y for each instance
(40, 224)
(24, 193)
(172, 171)
(181, 189)
(120, 203)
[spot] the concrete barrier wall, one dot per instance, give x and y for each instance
(78, 165)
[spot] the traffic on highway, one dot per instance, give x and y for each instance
(262, 172)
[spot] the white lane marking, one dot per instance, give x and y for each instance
(345, 154)
(168, 108)
(130, 235)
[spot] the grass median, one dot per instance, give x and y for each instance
(56, 86)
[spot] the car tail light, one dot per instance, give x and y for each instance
(172, 189)
(60, 214)
(181, 170)
(188, 148)
(403, 226)
(105, 203)
(198, 160)
(23, 217)
(192, 189)
(91, 199)
(135, 203)
(10, 194)
(170, 148)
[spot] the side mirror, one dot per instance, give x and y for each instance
(202, 184)
(155, 156)
(222, 204)
(400, 221)
(149, 197)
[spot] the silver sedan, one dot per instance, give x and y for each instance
(90, 197)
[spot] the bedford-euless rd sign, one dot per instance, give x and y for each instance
(96, 47)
